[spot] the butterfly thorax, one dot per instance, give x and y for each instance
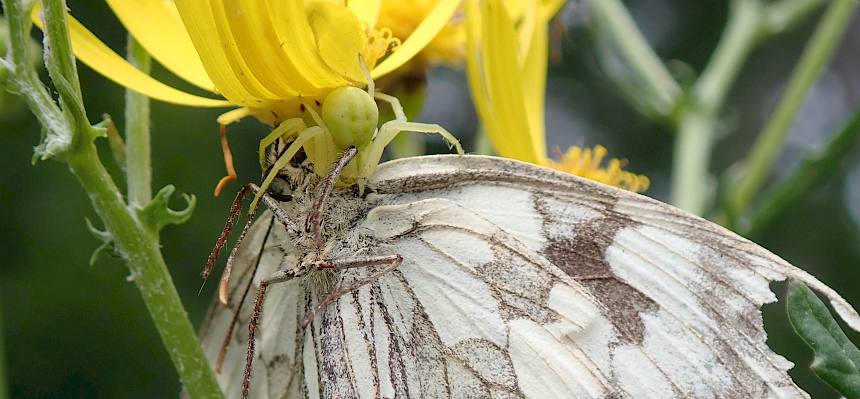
(343, 212)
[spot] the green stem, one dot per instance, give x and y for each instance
(812, 171)
(614, 17)
(698, 122)
(73, 136)
(815, 57)
(4, 383)
(138, 151)
(24, 80)
(139, 246)
(783, 15)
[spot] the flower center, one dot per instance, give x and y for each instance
(379, 43)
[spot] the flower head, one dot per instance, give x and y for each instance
(261, 55)
(277, 60)
(506, 63)
(402, 18)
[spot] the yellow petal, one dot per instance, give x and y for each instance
(425, 32)
(91, 51)
(367, 11)
(480, 96)
(550, 7)
(339, 36)
(298, 43)
(252, 28)
(208, 28)
(495, 78)
(162, 34)
(534, 77)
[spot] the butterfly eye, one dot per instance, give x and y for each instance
(351, 115)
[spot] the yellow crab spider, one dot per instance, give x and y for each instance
(349, 117)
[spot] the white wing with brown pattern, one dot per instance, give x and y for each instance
(516, 282)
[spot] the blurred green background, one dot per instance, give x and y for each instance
(72, 330)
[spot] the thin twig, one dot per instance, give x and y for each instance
(817, 54)
(812, 172)
(690, 177)
(138, 152)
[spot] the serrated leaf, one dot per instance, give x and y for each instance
(837, 359)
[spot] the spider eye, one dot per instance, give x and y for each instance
(351, 116)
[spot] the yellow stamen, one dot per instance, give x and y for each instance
(379, 43)
(588, 163)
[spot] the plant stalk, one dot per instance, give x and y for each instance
(633, 47)
(817, 54)
(140, 248)
(68, 136)
(812, 171)
(695, 137)
(138, 148)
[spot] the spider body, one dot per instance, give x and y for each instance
(348, 117)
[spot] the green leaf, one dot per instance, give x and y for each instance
(837, 360)
(157, 214)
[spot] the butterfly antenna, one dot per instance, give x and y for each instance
(252, 330)
(224, 285)
(222, 239)
(314, 220)
(222, 353)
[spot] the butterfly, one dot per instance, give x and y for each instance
(482, 277)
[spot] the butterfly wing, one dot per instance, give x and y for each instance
(678, 296)
(467, 314)
(519, 282)
(277, 368)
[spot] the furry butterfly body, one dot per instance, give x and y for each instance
(516, 282)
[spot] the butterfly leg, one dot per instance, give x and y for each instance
(391, 262)
(235, 208)
(313, 222)
(279, 277)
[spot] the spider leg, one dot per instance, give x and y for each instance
(314, 219)
(391, 263)
(371, 85)
(399, 114)
(286, 129)
(389, 130)
(282, 161)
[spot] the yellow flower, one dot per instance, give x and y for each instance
(403, 17)
(261, 55)
(506, 57)
(271, 58)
